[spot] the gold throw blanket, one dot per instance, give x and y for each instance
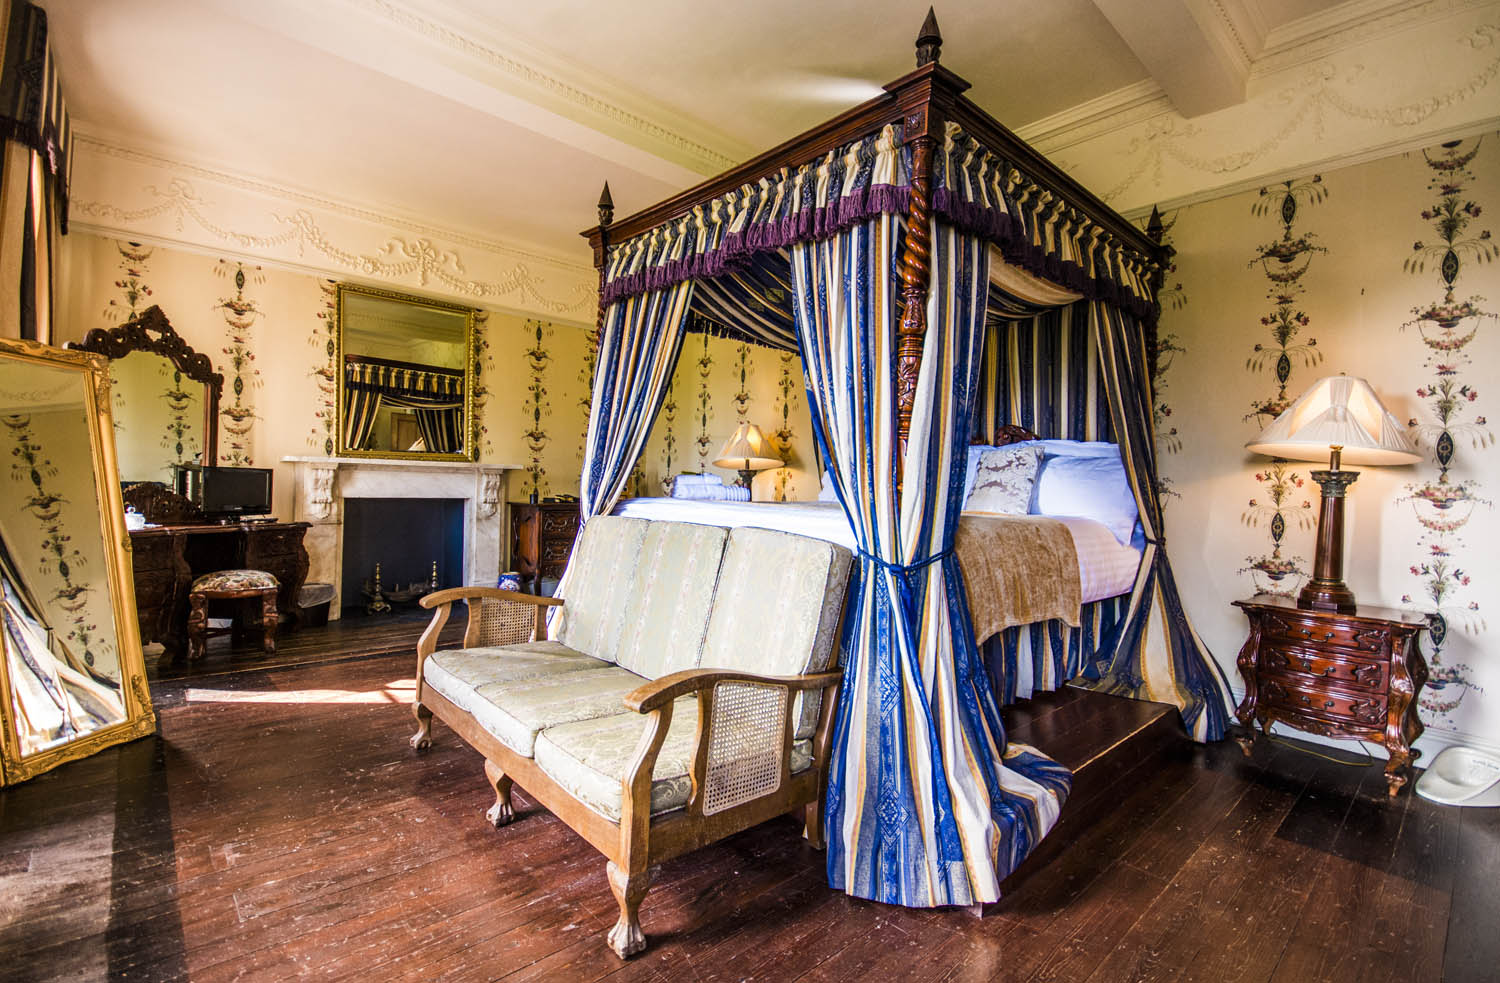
(1019, 569)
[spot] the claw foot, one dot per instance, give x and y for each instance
(500, 814)
(626, 938)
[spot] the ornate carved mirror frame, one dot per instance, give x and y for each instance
(150, 331)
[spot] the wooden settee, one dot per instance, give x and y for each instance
(686, 691)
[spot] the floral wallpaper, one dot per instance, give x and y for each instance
(704, 441)
(1280, 502)
(1385, 270)
(535, 406)
(242, 376)
(271, 331)
(1449, 424)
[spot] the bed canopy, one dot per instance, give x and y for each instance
(918, 257)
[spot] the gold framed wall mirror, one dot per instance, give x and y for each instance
(406, 379)
(165, 398)
(72, 679)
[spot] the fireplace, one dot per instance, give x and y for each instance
(326, 487)
(418, 543)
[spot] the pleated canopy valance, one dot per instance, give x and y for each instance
(433, 386)
(974, 189)
(32, 110)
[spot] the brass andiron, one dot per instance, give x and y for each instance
(377, 603)
(432, 581)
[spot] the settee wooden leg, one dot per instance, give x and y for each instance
(813, 828)
(422, 739)
(501, 813)
(626, 938)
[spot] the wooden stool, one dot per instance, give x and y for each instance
(230, 585)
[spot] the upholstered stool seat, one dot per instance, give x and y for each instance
(231, 585)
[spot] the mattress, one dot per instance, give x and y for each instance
(1106, 568)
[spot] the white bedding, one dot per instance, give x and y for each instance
(1105, 567)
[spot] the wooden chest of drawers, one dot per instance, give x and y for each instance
(542, 535)
(1351, 675)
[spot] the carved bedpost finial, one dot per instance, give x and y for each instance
(929, 41)
(1154, 228)
(606, 207)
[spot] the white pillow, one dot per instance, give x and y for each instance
(971, 465)
(1049, 448)
(1003, 480)
(1092, 487)
(825, 491)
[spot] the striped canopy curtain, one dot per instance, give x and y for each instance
(1157, 655)
(638, 348)
(361, 406)
(34, 162)
(927, 805)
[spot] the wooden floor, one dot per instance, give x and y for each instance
(279, 827)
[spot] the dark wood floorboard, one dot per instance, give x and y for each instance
(279, 828)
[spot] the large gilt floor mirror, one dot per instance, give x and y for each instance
(72, 680)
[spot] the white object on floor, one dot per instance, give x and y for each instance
(1462, 776)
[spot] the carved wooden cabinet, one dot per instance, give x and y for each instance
(1354, 675)
(166, 559)
(542, 535)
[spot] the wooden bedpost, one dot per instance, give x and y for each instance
(601, 257)
(920, 128)
(1156, 231)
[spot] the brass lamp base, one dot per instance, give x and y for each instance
(1326, 591)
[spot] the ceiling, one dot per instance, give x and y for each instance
(502, 119)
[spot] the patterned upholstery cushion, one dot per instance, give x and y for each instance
(777, 609)
(600, 579)
(515, 711)
(233, 580)
(1004, 480)
(457, 673)
(668, 611)
(590, 758)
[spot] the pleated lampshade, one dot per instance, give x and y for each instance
(748, 450)
(1339, 411)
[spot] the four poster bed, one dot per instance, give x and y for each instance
(941, 282)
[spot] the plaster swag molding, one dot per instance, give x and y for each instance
(1355, 104)
(131, 194)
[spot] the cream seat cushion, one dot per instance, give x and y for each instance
(600, 582)
(515, 712)
(590, 758)
(457, 673)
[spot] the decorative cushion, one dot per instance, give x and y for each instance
(1004, 479)
(777, 609)
(235, 580)
(515, 711)
(457, 673)
(590, 758)
(601, 577)
(668, 611)
(1092, 487)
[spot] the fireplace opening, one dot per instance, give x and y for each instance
(412, 539)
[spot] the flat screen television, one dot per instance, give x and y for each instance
(222, 492)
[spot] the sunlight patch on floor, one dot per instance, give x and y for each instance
(396, 691)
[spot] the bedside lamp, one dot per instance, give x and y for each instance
(1340, 417)
(747, 452)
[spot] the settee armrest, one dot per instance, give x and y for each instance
(442, 603)
(752, 757)
(650, 696)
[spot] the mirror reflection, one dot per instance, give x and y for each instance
(405, 389)
(159, 417)
(61, 651)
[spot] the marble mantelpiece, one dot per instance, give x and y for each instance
(322, 484)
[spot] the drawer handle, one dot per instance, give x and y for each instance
(1327, 704)
(1327, 636)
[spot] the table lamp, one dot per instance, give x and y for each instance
(747, 452)
(1340, 417)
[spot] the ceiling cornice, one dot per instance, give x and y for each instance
(133, 193)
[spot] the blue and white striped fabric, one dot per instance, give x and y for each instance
(754, 304)
(1027, 659)
(926, 805)
(1158, 655)
(638, 348)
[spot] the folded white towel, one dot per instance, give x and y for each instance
(711, 493)
(697, 480)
